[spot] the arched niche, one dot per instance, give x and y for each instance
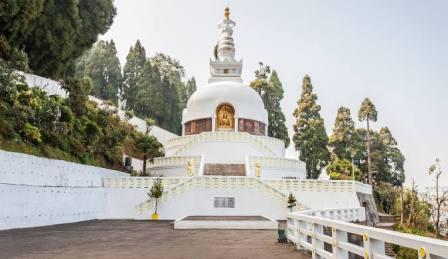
(225, 117)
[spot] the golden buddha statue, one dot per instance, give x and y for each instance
(224, 117)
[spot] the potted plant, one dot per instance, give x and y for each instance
(156, 192)
(292, 202)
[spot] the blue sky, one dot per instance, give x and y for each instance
(394, 52)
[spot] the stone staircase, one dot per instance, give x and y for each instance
(387, 222)
(225, 169)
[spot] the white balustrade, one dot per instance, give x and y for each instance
(319, 185)
(307, 232)
(175, 161)
(275, 162)
(139, 182)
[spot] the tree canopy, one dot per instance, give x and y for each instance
(270, 89)
(52, 33)
(310, 137)
(102, 66)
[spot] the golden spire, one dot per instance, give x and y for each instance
(227, 13)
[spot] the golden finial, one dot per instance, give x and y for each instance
(227, 13)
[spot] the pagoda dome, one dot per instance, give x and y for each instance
(245, 101)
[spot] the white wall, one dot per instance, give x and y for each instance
(327, 200)
(18, 168)
(37, 191)
(31, 206)
(199, 201)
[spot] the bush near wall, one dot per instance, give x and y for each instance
(35, 123)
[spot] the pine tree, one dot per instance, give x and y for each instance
(270, 89)
(173, 117)
(53, 33)
(171, 69)
(341, 148)
(367, 112)
(149, 99)
(135, 60)
(310, 138)
(190, 87)
(343, 130)
(101, 64)
(389, 159)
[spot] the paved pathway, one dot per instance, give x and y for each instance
(140, 239)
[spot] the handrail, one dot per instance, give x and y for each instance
(304, 185)
(174, 160)
(274, 162)
(302, 226)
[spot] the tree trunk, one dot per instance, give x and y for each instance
(144, 165)
(369, 163)
(155, 212)
(402, 207)
(438, 207)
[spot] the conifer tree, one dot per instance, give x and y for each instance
(341, 147)
(135, 60)
(310, 138)
(149, 99)
(102, 65)
(190, 87)
(367, 112)
(53, 33)
(388, 159)
(341, 138)
(270, 89)
(171, 70)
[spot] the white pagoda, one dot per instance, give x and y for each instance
(224, 164)
(224, 126)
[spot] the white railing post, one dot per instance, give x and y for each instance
(248, 172)
(301, 238)
(372, 246)
(339, 236)
(318, 245)
(201, 165)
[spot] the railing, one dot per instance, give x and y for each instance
(319, 185)
(219, 182)
(346, 215)
(139, 182)
(328, 238)
(224, 136)
(273, 162)
(177, 161)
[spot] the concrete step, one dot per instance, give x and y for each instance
(225, 169)
(387, 218)
(385, 225)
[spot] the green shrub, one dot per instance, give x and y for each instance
(406, 253)
(31, 133)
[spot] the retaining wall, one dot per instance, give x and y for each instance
(37, 191)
